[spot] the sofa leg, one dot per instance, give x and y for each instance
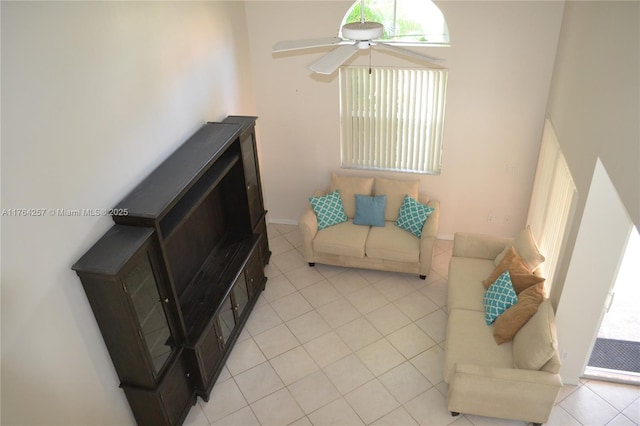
(423, 277)
(536, 424)
(455, 413)
(312, 264)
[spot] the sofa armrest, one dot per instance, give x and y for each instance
(308, 226)
(506, 393)
(429, 237)
(480, 246)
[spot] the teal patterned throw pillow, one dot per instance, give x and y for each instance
(499, 297)
(329, 209)
(412, 216)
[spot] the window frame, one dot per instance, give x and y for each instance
(411, 138)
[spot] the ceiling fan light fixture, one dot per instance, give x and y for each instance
(362, 30)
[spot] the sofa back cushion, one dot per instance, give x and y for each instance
(395, 190)
(525, 245)
(349, 186)
(536, 343)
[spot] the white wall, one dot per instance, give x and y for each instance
(500, 64)
(605, 223)
(94, 96)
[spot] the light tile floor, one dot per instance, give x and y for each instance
(340, 346)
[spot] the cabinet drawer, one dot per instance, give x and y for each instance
(168, 403)
(175, 391)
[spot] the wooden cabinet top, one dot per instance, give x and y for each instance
(154, 195)
(111, 253)
(245, 121)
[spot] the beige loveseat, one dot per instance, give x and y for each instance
(517, 379)
(387, 247)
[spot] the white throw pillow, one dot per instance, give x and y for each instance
(535, 343)
(526, 247)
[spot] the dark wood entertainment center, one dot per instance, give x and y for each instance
(172, 283)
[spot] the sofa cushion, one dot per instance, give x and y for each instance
(499, 297)
(328, 209)
(511, 320)
(370, 210)
(525, 245)
(536, 343)
(349, 186)
(344, 239)
(392, 243)
(395, 190)
(511, 262)
(465, 289)
(412, 216)
(470, 341)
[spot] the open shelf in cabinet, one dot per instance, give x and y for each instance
(203, 296)
(180, 212)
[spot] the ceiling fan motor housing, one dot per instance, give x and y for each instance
(362, 31)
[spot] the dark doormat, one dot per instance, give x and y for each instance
(614, 354)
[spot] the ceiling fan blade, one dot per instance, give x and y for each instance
(332, 60)
(409, 53)
(285, 46)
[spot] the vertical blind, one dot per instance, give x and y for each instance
(552, 202)
(392, 119)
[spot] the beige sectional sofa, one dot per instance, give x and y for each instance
(387, 247)
(515, 380)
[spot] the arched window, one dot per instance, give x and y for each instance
(406, 22)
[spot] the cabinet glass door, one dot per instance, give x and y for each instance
(241, 295)
(226, 320)
(141, 285)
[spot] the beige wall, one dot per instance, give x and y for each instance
(594, 105)
(94, 95)
(500, 64)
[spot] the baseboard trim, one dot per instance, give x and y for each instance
(277, 221)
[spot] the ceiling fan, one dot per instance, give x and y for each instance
(356, 36)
